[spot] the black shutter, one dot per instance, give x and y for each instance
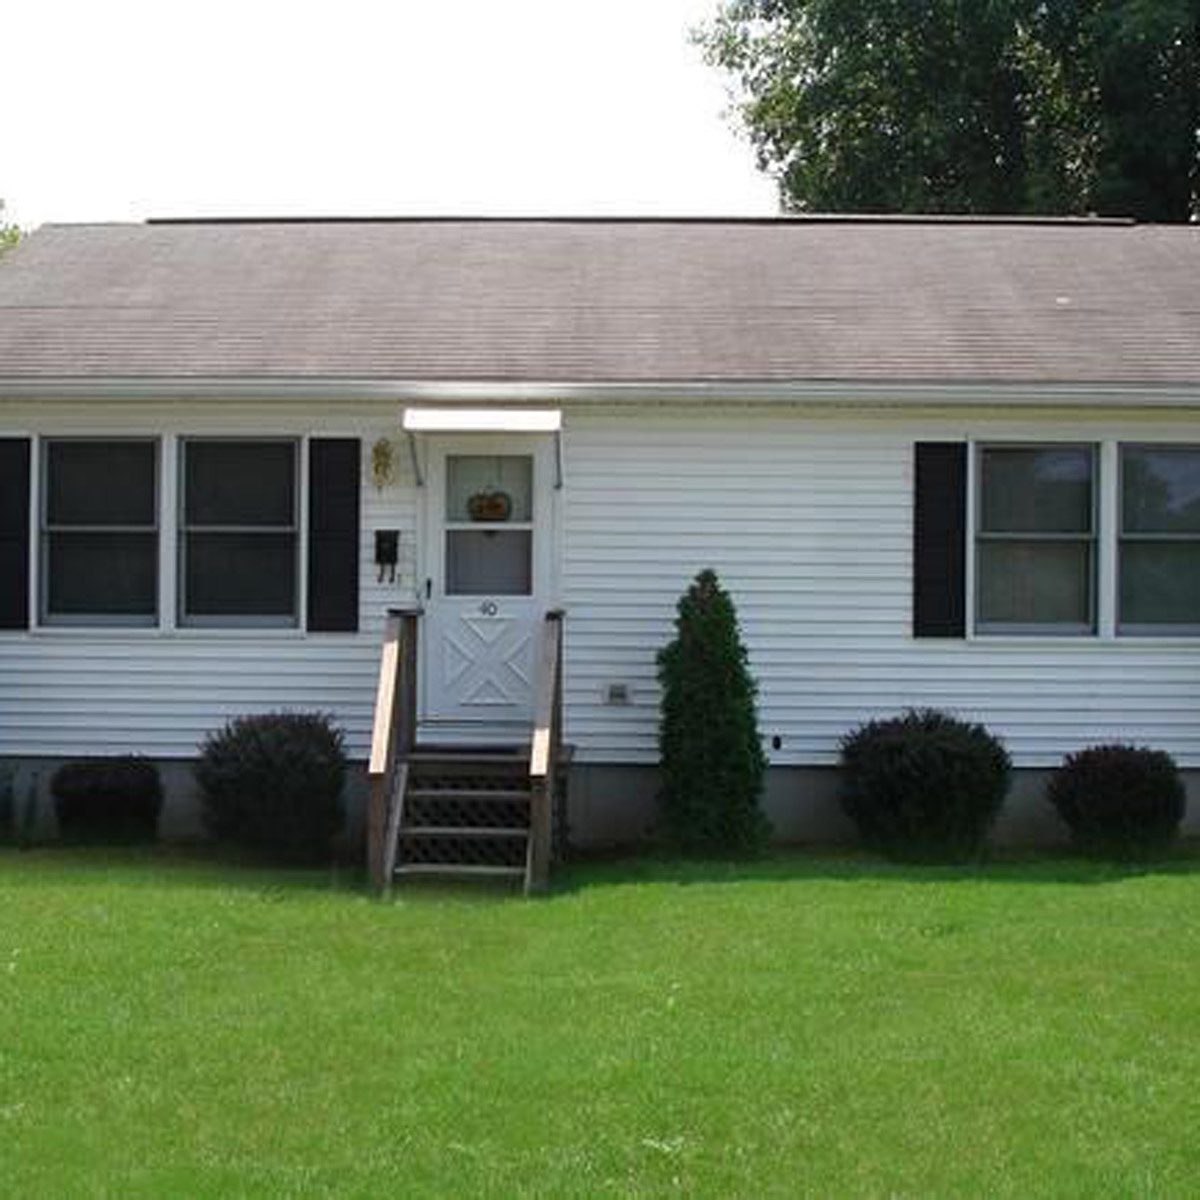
(333, 503)
(940, 540)
(14, 533)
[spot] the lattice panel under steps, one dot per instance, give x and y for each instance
(462, 851)
(448, 808)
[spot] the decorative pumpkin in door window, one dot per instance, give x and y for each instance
(490, 505)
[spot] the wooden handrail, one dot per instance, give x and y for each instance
(544, 751)
(393, 735)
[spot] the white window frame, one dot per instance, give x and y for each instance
(40, 586)
(296, 620)
(1095, 538)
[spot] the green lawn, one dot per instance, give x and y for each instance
(806, 1026)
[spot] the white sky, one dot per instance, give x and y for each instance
(122, 109)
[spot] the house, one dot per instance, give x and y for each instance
(937, 462)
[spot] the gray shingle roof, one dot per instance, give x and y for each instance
(593, 300)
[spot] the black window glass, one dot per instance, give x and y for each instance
(1160, 583)
(1036, 490)
(100, 483)
(240, 483)
(1160, 489)
(101, 574)
(1038, 583)
(240, 575)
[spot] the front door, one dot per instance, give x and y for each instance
(489, 554)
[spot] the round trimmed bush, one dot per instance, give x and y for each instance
(273, 784)
(107, 800)
(923, 785)
(1119, 800)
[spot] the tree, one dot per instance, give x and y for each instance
(8, 233)
(712, 759)
(974, 106)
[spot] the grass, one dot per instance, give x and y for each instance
(801, 1026)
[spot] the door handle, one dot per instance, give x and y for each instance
(428, 588)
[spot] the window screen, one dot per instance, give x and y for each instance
(238, 533)
(100, 532)
(1159, 555)
(1035, 539)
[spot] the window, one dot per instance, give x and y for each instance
(99, 526)
(1159, 550)
(1035, 541)
(489, 525)
(238, 535)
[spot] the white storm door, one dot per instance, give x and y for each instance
(488, 544)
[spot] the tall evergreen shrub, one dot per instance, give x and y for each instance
(712, 759)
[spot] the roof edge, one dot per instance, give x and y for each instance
(905, 394)
(815, 218)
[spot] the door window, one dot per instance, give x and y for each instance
(489, 525)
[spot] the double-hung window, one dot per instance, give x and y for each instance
(1159, 548)
(99, 531)
(1035, 539)
(238, 532)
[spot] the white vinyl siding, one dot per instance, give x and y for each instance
(807, 514)
(808, 519)
(74, 692)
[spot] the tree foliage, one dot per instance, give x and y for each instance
(712, 758)
(8, 233)
(973, 106)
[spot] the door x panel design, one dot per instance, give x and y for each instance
(486, 664)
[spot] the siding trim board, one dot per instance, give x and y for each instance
(340, 392)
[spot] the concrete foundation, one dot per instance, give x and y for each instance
(615, 806)
(27, 781)
(609, 805)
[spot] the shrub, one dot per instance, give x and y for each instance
(273, 784)
(8, 806)
(923, 785)
(1121, 800)
(712, 759)
(107, 800)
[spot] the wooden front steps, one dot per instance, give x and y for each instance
(463, 812)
